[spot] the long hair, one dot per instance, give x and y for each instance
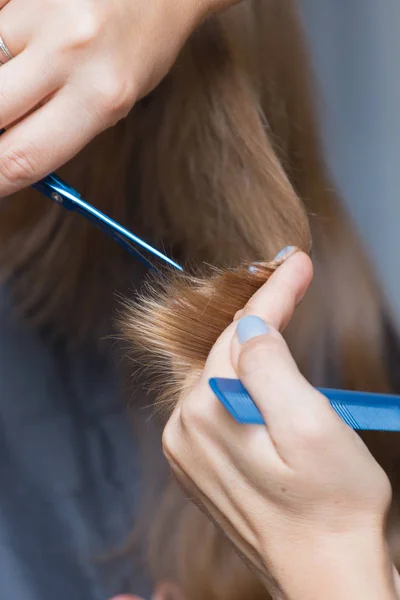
(222, 166)
(247, 151)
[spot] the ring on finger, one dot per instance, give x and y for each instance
(5, 53)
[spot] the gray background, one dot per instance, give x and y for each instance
(356, 53)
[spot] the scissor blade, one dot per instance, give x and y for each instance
(59, 191)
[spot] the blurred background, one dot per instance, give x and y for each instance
(356, 52)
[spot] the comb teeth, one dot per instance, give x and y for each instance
(345, 414)
(359, 410)
(232, 394)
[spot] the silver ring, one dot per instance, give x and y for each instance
(5, 53)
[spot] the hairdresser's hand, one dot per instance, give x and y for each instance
(301, 498)
(165, 590)
(79, 67)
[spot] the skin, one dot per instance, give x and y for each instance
(79, 66)
(303, 499)
(165, 590)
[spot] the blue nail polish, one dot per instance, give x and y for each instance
(250, 327)
(253, 269)
(283, 254)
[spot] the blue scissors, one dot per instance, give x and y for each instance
(360, 410)
(60, 192)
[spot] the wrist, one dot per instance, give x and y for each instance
(344, 569)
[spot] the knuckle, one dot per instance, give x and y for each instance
(84, 30)
(311, 433)
(18, 166)
(169, 441)
(177, 438)
(197, 415)
(192, 414)
(115, 98)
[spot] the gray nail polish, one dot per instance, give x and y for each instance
(285, 253)
(250, 327)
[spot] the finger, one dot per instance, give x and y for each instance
(15, 27)
(3, 3)
(22, 87)
(46, 139)
(292, 409)
(276, 300)
(200, 416)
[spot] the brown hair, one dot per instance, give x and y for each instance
(225, 165)
(251, 126)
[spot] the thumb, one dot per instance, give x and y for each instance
(274, 302)
(269, 373)
(277, 299)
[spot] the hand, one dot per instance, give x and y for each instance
(127, 597)
(165, 590)
(302, 499)
(79, 67)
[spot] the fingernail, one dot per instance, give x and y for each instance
(285, 253)
(250, 327)
(254, 267)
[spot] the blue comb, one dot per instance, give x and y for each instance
(360, 410)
